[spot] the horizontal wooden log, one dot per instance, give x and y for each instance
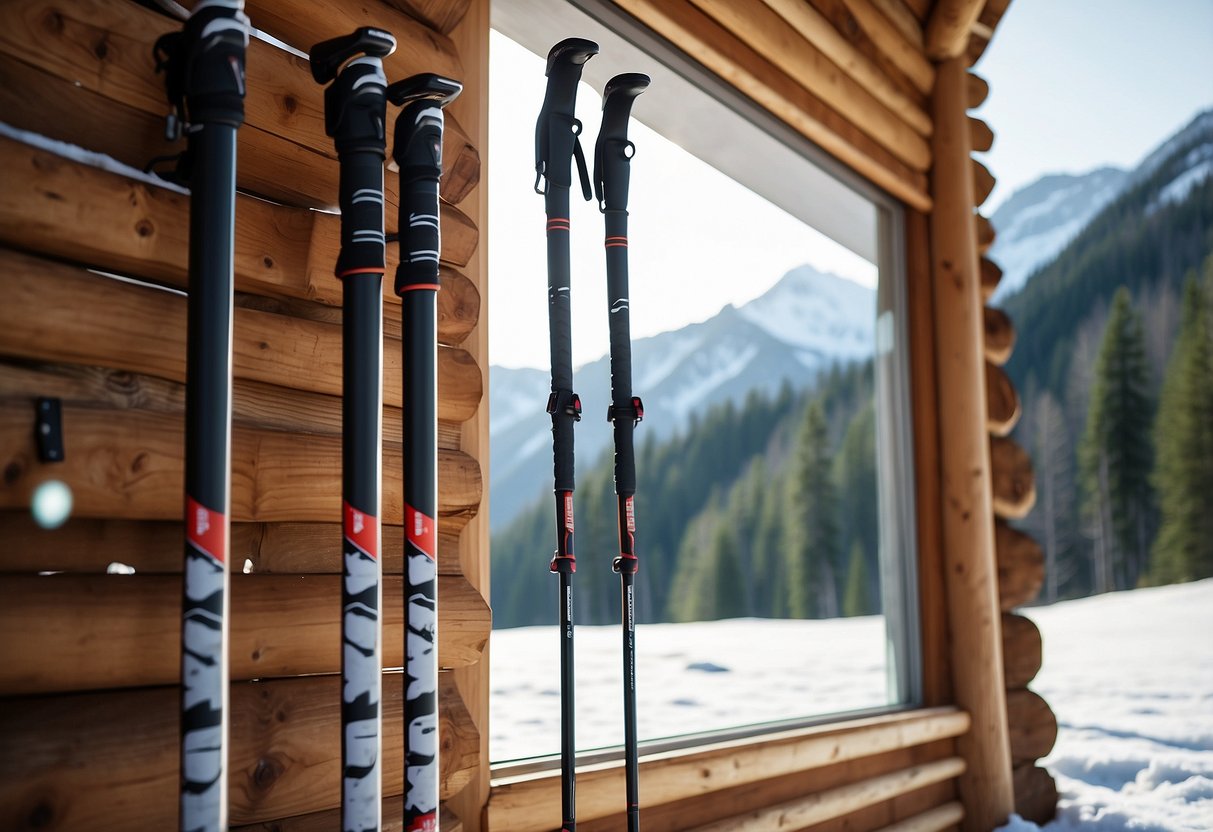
(999, 335)
(983, 182)
(130, 227)
(116, 324)
(1032, 725)
(107, 46)
(1022, 650)
(516, 802)
(830, 25)
(1035, 793)
(937, 819)
(981, 137)
(85, 545)
(841, 800)
(109, 762)
(755, 76)
(977, 90)
(1021, 566)
(903, 20)
(254, 404)
(947, 32)
(89, 632)
(129, 465)
(326, 821)
(1002, 402)
(275, 168)
(903, 52)
(440, 15)
(985, 234)
(991, 275)
(1014, 480)
(768, 34)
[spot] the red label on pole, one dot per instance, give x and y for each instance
(421, 531)
(206, 530)
(425, 823)
(362, 529)
(568, 511)
(629, 514)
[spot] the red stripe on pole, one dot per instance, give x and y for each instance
(424, 823)
(413, 287)
(375, 270)
(206, 530)
(421, 530)
(362, 529)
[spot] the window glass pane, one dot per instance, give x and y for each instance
(771, 471)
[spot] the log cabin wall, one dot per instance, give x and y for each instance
(89, 665)
(89, 662)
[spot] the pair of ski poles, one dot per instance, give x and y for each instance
(204, 66)
(557, 145)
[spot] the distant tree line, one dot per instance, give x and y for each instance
(764, 509)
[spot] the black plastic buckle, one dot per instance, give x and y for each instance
(634, 411)
(626, 563)
(565, 563)
(565, 401)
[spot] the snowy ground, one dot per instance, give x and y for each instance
(1129, 675)
(689, 678)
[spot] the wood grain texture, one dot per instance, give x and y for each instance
(1035, 793)
(1022, 650)
(89, 546)
(947, 31)
(142, 329)
(967, 473)
(841, 800)
(983, 182)
(1014, 482)
(937, 819)
(1033, 725)
(1021, 566)
(133, 228)
(108, 762)
(92, 632)
(439, 15)
(519, 803)
(754, 75)
(1002, 402)
(902, 51)
(770, 35)
(977, 90)
(999, 335)
(129, 465)
(985, 233)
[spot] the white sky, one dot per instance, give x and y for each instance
(696, 239)
(1077, 84)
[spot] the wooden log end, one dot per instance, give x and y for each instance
(991, 275)
(977, 89)
(985, 233)
(983, 182)
(1002, 401)
(981, 137)
(1022, 650)
(999, 333)
(1021, 566)
(1032, 725)
(1013, 478)
(1035, 793)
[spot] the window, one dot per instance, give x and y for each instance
(775, 509)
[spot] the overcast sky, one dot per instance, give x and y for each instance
(1075, 84)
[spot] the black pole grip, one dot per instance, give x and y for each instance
(204, 63)
(613, 152)
(327, 56)
(557, 128)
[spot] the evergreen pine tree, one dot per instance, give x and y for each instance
(813, 512)
(1116, 453)
(1183, 474)
(858, 598)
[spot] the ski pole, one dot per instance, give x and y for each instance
(204, 77)
(418, 151)
(612, 172)
(556, 146)
(355, 109)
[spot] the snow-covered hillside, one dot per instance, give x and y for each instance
(1129, 675)
(1037, 221)
(801, 326)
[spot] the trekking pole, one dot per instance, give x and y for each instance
(556, 145)
(612, 171)
(355, 109)
(418, 151)
(204, 77)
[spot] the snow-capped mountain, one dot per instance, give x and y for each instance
(805, 323)
(1040, 219)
